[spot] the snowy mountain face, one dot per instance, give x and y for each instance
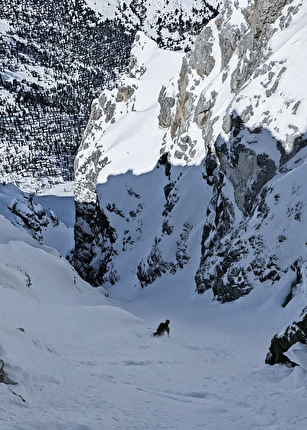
(194, 166)
(73, 360)
(56, 58)
(47, 218)
(173, 24)
(190, 205)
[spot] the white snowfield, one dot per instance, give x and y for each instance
(77, 360)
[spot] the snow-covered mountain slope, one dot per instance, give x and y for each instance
(244, 152)
(134, 103)
(253, 80)
(48, 218)
(256, 83)
(73, 359)
(172, 24)
(56, 58)
(228, 212)
(226, 202)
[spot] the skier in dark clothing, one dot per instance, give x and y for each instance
(163, 327)
(1, 371)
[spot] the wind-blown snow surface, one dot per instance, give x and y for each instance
(77, 360)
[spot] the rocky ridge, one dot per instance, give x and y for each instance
(29, 212)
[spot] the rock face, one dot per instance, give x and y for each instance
(224, 87)
(282, 342)
(209, 176)
(93, 236)
(29, 213)
(230, 76)
(264, 246)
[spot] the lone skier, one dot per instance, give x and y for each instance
(163, 327)
(1, 371)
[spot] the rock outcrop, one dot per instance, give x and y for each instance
(26, 212)
(282, 342)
